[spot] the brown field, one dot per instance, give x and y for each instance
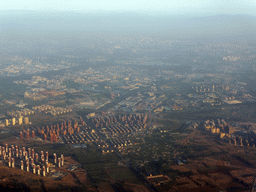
(217, 166)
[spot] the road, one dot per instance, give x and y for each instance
(184, 142)
(145, 181)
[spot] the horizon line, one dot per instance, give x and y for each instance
(151, 12)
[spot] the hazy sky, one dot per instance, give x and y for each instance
(167, 6)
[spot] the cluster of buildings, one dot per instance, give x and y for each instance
(26, 134)
(243, 140)
(41, 108)
(120, 143)
(19, 116)
(82, 137)
(22, 112)
(28, 160)
(55, 83)
(113, 126)
(58, 111)
(230, 134)
(34, 81)
(104, 147)
(130, 101)
(219, 127)
(132, 119)
(49, 109)
(39, 95)
(120, 129)
(116, 143)
(53, 132)
(151, 103)
(30, 66)
(206, 88)
(227, 93)
(20, 121)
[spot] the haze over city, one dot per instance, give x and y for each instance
(127, 95)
